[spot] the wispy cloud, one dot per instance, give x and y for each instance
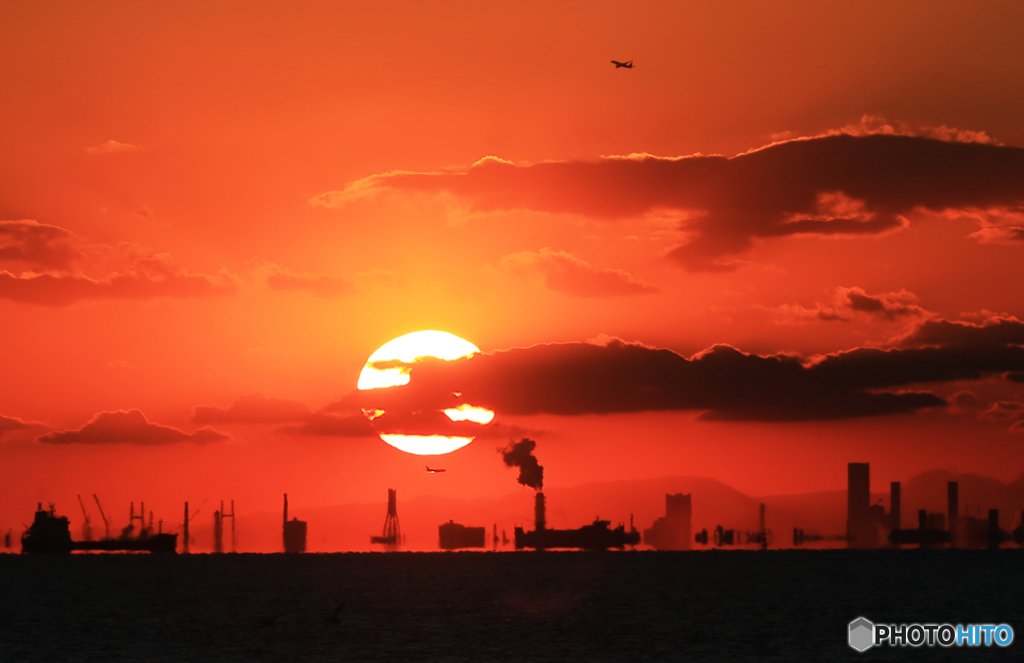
(566, 273)
(113, 147)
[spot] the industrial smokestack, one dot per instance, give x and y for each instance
(895, 504)
(953, 511)
(539, 513)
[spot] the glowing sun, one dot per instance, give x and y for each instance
(406, 350)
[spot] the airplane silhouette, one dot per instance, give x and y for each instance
(627, 65)
(433, 471)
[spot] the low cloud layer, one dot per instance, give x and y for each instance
(721, 382)
(50, 266)
(130, 427)
(252, 409)
(837, 185)
(992, 332)
(63, 290)
(566, 273)
(850, 304)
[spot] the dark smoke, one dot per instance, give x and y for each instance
(520, 454)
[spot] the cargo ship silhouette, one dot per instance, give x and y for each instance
(51, 534)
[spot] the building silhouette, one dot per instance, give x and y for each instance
(452, 536)
(672, 532)
(861, 522)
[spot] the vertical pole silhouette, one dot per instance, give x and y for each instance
(763, 534)
(953, 512)
(218, 532)
(895, 505)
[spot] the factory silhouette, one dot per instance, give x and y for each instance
(868, 525)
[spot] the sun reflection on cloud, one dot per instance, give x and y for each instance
(407, 349)
(466, 412)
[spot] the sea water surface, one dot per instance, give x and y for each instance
(525, 606)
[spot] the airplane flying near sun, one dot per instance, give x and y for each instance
(618, 65)
(433, 471)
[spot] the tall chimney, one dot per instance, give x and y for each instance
(860, 527)
(895, 503)
(922, 518)
(539, 515)
(284, 529)
(953, 511)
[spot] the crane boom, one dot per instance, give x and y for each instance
(106, 521)
(87, 525)
(196, 512)
(84, 512)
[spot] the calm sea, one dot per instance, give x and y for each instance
(553, 606)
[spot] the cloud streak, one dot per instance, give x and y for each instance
(130, 427)
(566, 273)
(330, 425)
(253, 409)
(37, 245)
(113, 147)
(849, 304)
(837, 185)
(11, 424)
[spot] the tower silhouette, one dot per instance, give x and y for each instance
(294, 532)
(391, 536)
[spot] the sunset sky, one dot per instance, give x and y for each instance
(791, 237)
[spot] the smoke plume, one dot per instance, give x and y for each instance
(520, 454)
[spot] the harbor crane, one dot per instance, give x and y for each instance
(106, 521)
(87, 525)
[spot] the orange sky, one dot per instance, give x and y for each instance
(200, 203)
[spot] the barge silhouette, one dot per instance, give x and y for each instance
(596, 536)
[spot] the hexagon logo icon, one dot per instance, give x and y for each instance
(862, 634)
